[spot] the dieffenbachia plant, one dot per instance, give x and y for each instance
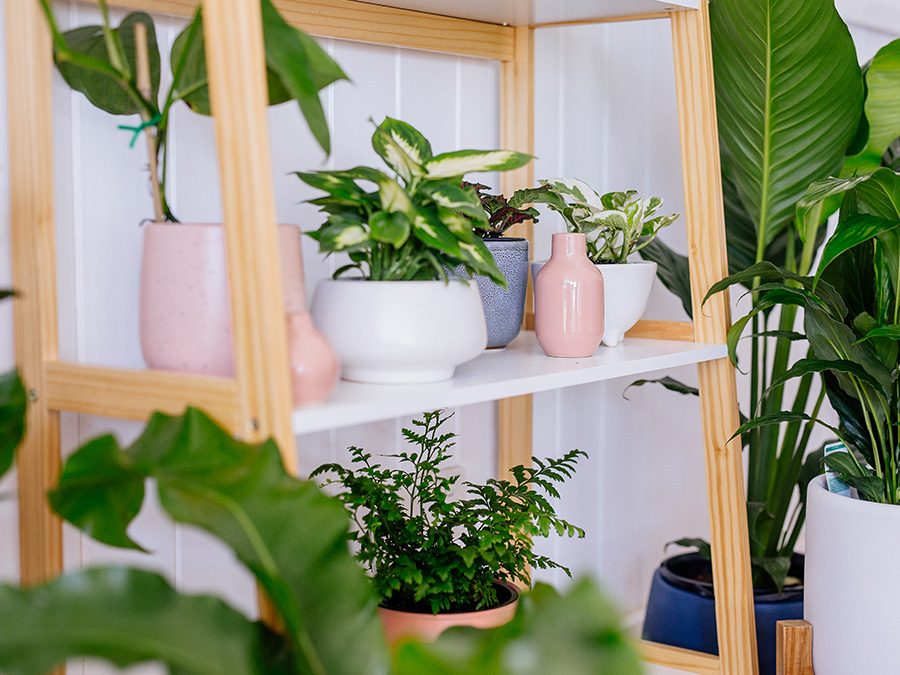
(102, 63)
(615, 224)
(413, 225)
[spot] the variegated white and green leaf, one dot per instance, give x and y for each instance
(460, 162)
(390, 228)
(401, 149)
(454, 197)
(394, 197)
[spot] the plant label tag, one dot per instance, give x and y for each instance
(835, 484)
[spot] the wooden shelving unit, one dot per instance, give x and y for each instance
(256, 403)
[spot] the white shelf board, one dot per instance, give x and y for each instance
(536, 12)
(521, 368)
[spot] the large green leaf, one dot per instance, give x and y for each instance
(460, 162)
(13, 402)
(576, 634)
(789, 96)
(853, 232)
(286, 531)
(402, 147)
(128, 616)
(101, 89)
(882, 115)
(672, 269)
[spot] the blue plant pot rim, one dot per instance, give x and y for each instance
(676, 571)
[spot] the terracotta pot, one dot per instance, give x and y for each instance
(185, 313)
(427, 627)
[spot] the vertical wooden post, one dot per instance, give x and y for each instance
(514, 415)
(793, 648)
(718, 396)
(29, 73)
(237, 83)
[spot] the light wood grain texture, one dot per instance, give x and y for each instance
(678, 658)
(604, 19)
(135, 394)
(663, 330)
(238, 97)
(514, 415)
(793, 648)
(360, 21)
(718, 397)
(29, 70)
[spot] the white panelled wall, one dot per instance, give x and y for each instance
(605, 112)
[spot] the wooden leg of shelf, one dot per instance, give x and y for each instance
(793, 648)
(690, 661)
(514, 417)
(33, 231)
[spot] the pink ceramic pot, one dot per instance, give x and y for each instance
(427, 627)
(314, 363)
(568, 300)
(185, 313)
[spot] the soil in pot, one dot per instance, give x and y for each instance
(681, 609)
(427, 627)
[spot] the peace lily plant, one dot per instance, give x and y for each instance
(416, 223)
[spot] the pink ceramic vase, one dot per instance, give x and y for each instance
(314, 364)
(185, 312)
(568, 300)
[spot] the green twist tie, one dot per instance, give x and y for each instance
(153, 121)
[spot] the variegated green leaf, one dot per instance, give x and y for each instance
(461, 162)
(394, 197)
(452, 197)
(390, 228)
(403, 148)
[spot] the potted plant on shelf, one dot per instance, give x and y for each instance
(852, 322)
(437, 563)
(503, 307)
(410, 229)
(185, 312)
(615, 225)
(289, 535)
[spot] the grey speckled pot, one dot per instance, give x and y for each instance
(503, 309)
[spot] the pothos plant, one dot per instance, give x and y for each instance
(427, 553)
(615, 224)
(416, 224)
(106, 65)
(502, 213)
(290, 536)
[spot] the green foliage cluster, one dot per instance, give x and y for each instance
(416, 225)
(100, 62)
(615, 224)
(502, 213)
(429, 554)
(852, 322)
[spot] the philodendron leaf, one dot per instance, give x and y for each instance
(101, 89)
(882, 115)
(13, 403)
(788, 97)
(286, 531)
(461, 162)
(578, 634)
(129, 616)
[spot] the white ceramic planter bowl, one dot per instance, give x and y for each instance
(626, 292)
(400, 331)
(852, 585)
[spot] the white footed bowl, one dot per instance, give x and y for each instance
(400, 331)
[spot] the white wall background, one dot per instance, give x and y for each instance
(605, 112)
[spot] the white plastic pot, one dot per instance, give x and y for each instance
(852, 595)
(400, 331)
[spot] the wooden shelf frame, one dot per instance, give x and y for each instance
(256, 403)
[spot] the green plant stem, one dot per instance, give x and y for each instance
(113, 45)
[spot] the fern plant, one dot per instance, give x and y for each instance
(426, 553)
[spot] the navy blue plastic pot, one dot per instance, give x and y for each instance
(681, 611)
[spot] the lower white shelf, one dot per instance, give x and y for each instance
(521, 368)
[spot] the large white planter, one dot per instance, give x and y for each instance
(852, 595)
(400, 331)
(626, 292)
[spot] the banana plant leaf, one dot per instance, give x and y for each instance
(286, 531)
(129, 616)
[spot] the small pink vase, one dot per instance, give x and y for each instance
(568, 300)
(185, 307)
(314, 363)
